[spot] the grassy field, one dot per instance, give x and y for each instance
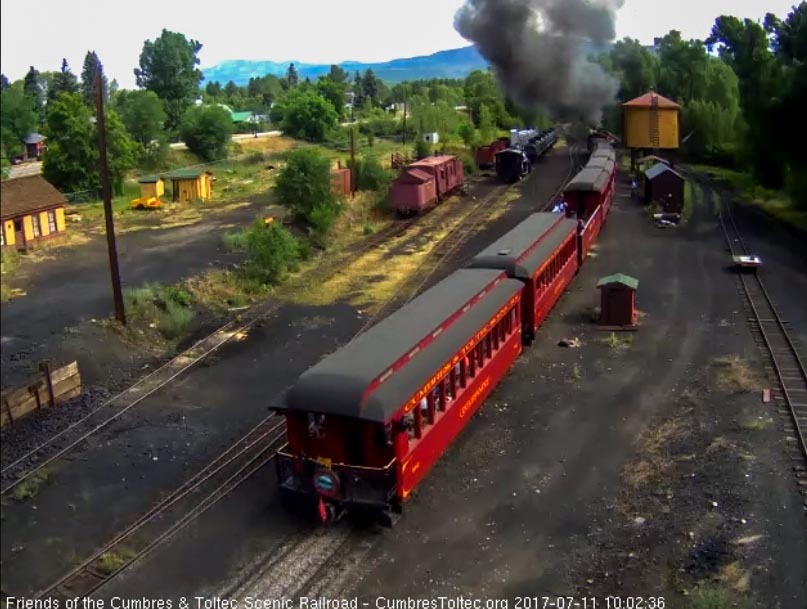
(775, 203)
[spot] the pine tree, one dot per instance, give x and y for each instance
(292, 77)
(88, 72)
(63, 82)
(33, 89)
(358, 91)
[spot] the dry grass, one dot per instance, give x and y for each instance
(267, 145)
(655, 461)
(113, 560)
(356, 282)
(221, 290)
(757, 424)
(30, 488)
(733, 374)
(735, 577)
(359, 213)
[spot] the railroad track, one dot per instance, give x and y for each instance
(448, 246)
(233, 467)
(99, 418)
(172, 513)
(783, 360)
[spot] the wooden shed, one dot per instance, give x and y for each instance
(665, 186)
(191, 184)
(618, 300)
(151, 186)
(31, 210)
(651, 122)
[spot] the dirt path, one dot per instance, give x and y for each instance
(74, 287)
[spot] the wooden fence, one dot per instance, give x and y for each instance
(49, 388)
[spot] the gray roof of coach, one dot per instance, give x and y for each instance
(337, 384)
(590, 178)
(548, 229)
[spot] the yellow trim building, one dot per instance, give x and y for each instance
(31, 210)
(151, 186)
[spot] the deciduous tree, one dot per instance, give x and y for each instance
(304, 114)
(168, 67)
(206, 131)
(18, 118)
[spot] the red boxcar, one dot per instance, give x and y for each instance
(413, 191)
(367, 423)
(540, 252)
(486, 155)
(410, 194)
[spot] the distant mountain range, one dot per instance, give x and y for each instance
(454, 63)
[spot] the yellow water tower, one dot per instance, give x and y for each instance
(651, 122)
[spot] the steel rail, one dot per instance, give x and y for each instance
(766, 337)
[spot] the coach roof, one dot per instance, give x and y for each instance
(522, 251)
(342, 383)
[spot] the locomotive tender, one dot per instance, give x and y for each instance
(369, 421)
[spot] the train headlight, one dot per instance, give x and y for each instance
(326, 483)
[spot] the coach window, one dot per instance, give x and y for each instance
(452, 382)
(418, 422)
(463, 374)
(472, 363)
(408, 421)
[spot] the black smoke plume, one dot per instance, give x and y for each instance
(539, 51)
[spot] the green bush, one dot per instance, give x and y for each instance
(305, 181)
(235, 242)
(206, 131)
(370, 175)
(321, 219)
(272, 252)
(174, 320)
(422, 149)
(167, 307)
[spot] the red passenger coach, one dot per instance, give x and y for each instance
(540, 252)
(367, 423)
(589, 196)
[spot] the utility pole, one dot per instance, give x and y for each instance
(352, 160)
(117, 294)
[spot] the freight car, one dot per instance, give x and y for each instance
(368, 422)
(425, 183)
(486, 155)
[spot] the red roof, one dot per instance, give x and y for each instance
(416, 175)
(433, 160)
(646, 101)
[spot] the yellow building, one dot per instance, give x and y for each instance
(651, 122)
(151, 186)
(31, 210)
(191, 184)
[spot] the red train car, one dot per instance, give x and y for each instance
(589, 196)
(541, 253)
(412, 191)
(486, 155)
(367, 423)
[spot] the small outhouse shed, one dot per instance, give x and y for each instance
(151, 186)
(618, 300)
(665, 186)
(191, 184)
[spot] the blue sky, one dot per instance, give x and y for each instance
(314, 31)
